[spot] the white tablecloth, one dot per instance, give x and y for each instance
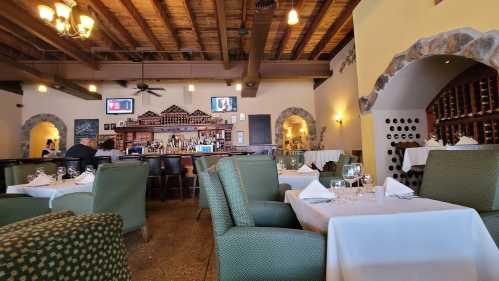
(50, 191)
(297, 180)
(415, 156)
(321, 157)
(390, 236)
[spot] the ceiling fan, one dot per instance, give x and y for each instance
(142, 87)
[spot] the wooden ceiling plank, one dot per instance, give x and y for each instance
(143, 24)
(195, 27)
(287, 32)
(10, 10)
(344, 17)
(52, 81)
(316, 19)
(23, 35)
(244, 16)
(349, 37)
(21, 46)
(162, 13)
(222, 32)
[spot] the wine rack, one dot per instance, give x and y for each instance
(468, 105)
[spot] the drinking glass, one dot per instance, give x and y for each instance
(73, 173)
(337, 184)
(349, 174)
(281, 165)
(367, 182)
(30, 178)
(90, 169)
(61, 171)
(293, 163)
(39, 171)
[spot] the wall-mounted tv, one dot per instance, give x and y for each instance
(223, 104)
(119, 105)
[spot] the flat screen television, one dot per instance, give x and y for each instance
(223, 104)
(119, 105)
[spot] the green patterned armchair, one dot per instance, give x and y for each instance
(16, 207)
(258, 240)
(202, 164)
(118, 188)
(345, 159)
(61, 246)
(17, 174)
(468, 178)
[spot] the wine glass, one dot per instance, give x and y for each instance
(39, 171)
(90, 169)
(367, 182)
(293, 163)
(73, 173)
(30, 178)
(349, 174)
(61, 171)
(281, 165)
(337, 184)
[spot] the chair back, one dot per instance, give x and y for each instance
(154, 165)
(468, 178)
(74, 163)
(202, 164)
(21, 172)
(130, 157)
(259, 177)
(102, 160)
(172, 164)
(402, 146)
(121, 188)
(17, 207)
(344, 159)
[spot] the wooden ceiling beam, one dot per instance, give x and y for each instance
(51, 80)
(244, 16)
(142, 24)
(195, 27)
(23, 35)
(222, 32)
(287, 32)
(316, 20)
(10, 10)
(344, 17)
(162, 13)
(21, 46)
(349, 37)
(15, 87)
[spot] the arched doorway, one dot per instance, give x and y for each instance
(295, 132)
(300, 116)
(44, 126)
(39, 135)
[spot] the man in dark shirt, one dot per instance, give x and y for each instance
(84, 152)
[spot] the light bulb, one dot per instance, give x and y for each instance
(92, 88)
(191, 88)
(87, 21)
(60, 25)
(42, 88)
(239, 87)
(293, 17)
(46, 13)
(62, 10)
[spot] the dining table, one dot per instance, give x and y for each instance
(373, 237)
(51, 191)
(417, 156)
(320, 157)
(296, 179)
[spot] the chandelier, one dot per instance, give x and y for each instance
(63, 20)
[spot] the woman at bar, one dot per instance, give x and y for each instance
(107, 149)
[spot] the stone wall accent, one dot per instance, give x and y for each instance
(33, 121)
(309, 119)
(464, 42)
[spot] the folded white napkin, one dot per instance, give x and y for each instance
(315, 190)
(466, 140)
(41, 180)
(85, 178)
(305, 169)
(434, 142)
(394, 187)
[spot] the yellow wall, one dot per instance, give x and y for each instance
(384, 28)
(39, 136)
(10, 125)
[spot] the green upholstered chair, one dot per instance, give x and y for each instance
(345, 159)
(17, 174)
(468, 178)
(287, 158)
(62, 246)
(118, 188)
(262, 248)
(17, 207)
(203, 164)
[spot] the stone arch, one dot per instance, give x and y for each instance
(309, 119)
(33, 121)
(463, 42)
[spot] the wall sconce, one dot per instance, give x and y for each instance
(338, 118)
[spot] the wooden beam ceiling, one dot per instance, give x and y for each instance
(24, 35)
(52, 81)
(244, 16)
(20, 46)
(162, 13)
(344, 17)
(195, 28)
(10, 11)
(287, 32)
(12, 86)
(222, 32)
(349, 37)
(316, 19)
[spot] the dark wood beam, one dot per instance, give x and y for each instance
(23, 35)
(195, 28)
(15, 87)
(344, 17)
(142, 24)
(244, 16)
(51, 80)
(222, 32)
(349, 37)
(21, 46)
(260, 30)
(105, 14)
(316, 19)
(287, 32)
(10, 11)
(162, 13)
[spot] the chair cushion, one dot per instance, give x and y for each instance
(259, 177)
(235, 192)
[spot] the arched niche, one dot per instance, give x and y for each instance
(309, 119)
(33, 121)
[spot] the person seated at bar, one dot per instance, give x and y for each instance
(49, 150)
(107, 148)
(84, 152)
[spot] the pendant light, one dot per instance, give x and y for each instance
(293, 15)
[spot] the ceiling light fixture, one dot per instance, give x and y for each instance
(64, 20)
(447, 62)
(92, 88)
(42, 88)
(191, 88)
(239, 87)
(293, 15)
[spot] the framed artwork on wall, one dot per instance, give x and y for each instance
(85, 128)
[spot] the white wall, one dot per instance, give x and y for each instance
(10, 125)
(273, 97)
(338, 94)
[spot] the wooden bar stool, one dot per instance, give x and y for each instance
(155, 174)
(173, 167)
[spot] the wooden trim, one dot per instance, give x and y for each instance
(222, 32)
